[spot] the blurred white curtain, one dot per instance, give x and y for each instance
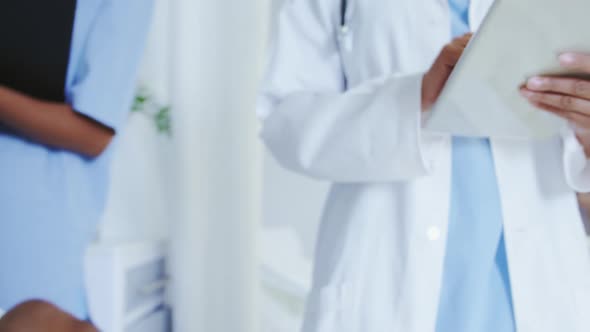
(217, 50)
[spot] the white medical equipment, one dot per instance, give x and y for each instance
(127, 287)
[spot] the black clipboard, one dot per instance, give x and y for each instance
(35, 43)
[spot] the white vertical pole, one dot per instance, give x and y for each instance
(216, 58)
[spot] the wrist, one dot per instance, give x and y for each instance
(427, 99)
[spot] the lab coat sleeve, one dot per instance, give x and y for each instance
(576, 164)
(370, 133)
(105, 80)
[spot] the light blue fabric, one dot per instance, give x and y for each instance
(51, 201)
(475, 294)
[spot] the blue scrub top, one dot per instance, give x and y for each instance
(475, 294)
(52, 200)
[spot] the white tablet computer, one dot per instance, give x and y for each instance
(518, 39)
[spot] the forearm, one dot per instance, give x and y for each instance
(55, 125)
(584, 200)
(370, 133)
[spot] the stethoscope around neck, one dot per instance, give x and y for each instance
(343, 6)
(343, 17)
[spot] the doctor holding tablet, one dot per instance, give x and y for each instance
(424, 232)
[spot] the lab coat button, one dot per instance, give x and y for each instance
(433, 233)
(344, 30)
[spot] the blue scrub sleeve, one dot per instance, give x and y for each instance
(105, 83)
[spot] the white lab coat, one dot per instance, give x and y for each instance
(382, 241)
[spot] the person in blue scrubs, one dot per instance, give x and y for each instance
(54, 157)
(475, 294)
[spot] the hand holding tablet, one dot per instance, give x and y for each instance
(567, 97)
(524, 47)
